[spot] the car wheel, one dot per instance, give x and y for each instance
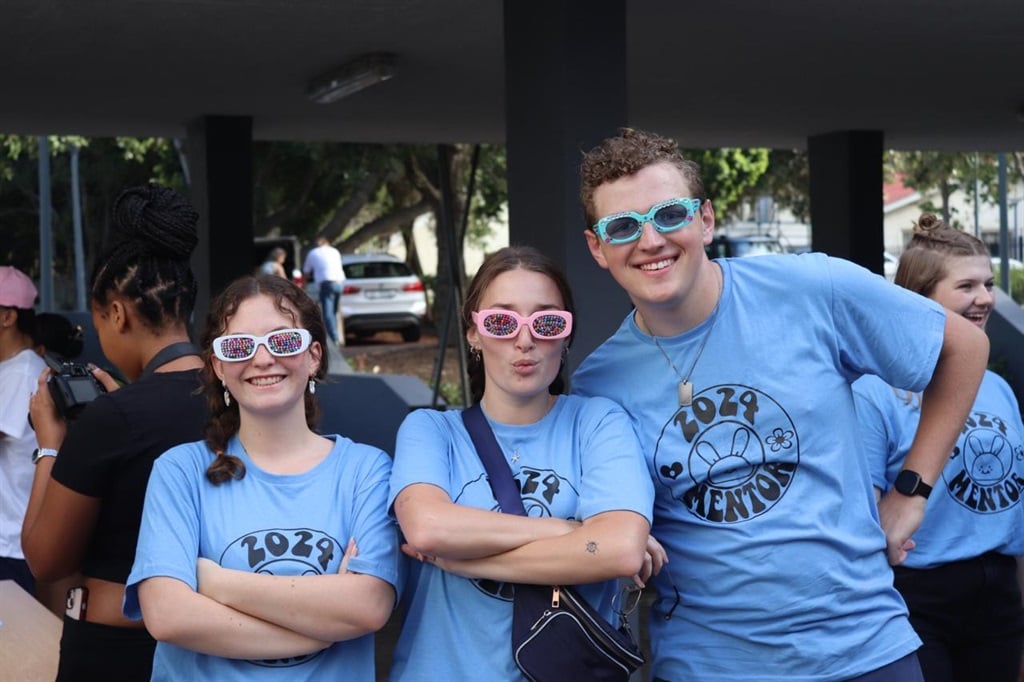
(411, 334)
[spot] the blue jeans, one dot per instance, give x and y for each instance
(330, 297)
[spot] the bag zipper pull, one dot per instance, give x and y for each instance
(542, 617)
(556, 594)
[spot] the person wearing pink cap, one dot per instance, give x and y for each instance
(19, 368)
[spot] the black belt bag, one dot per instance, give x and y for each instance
(556, 634)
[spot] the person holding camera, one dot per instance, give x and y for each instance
(91, 473)
(19, 367)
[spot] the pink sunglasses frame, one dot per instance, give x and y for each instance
(480, 315)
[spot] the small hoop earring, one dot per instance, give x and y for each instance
(312, 386)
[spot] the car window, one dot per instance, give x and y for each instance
(372, 270)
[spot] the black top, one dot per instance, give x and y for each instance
(109, 451)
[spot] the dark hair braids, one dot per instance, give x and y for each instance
(148, 265)
(502, 261)
(224, 419)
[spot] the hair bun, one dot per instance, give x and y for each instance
(159, 219)
(929, 223)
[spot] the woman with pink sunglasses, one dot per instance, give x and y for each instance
(576, 462)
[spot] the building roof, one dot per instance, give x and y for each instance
(724, 73)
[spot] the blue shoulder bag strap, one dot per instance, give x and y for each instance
(498, 472)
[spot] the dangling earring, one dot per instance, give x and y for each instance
(312, 386)
(227, 396)
(475, 353)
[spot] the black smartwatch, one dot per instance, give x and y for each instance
(909, 483)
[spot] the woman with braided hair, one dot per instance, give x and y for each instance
(960, 581)
(86, 503)
(266, 550)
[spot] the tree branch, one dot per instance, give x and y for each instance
(350, 207)
(385, 225)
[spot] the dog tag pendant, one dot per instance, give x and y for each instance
(685, 393)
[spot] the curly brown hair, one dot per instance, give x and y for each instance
(224, 419)
(923, 263)
(627, 153)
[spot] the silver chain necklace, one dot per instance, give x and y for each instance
(685, 388)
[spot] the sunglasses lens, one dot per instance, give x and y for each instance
(500, 324)
(549, 325)
(622, 228)
(287, 342)
(675, 215)
(236, 347)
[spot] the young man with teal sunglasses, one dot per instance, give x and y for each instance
(778, 561)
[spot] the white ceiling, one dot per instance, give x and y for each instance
(930, 73)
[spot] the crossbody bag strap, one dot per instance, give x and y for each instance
(499, 475)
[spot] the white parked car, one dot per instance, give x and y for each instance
(381, 293)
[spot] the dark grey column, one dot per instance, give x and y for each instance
(565, 91)
(220, 169)
(846, 196)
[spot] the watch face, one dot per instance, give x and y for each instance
(908, 483)
(39, 453)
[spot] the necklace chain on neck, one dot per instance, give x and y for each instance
(685, 388)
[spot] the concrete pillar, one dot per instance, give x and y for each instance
(221, 177)
(565, 91)
(846, 196)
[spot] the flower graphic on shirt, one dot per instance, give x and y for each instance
(780, 439)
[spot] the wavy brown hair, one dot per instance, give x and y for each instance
(224, 419)
(626, 154)
(502, 261)
(923, 263)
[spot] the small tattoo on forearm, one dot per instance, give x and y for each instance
(592, 547)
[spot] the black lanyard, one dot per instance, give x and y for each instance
(168, 354)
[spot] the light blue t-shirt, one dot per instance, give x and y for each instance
(581, 459)
(266, 523)
(763, 498)
(975, 506)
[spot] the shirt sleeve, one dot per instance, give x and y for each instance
(880, 443)
(884, 329)
(421, 454)
(169, 534)
(374, 531)
(614, 476)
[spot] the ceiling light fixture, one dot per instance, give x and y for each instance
(352, 77)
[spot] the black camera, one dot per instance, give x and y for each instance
(72, 386)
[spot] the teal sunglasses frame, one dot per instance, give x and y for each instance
(640, 219)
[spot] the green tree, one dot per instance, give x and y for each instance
(787, 181)
(729, 173)
(360, 194)
(106, 167)
(951, 172)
